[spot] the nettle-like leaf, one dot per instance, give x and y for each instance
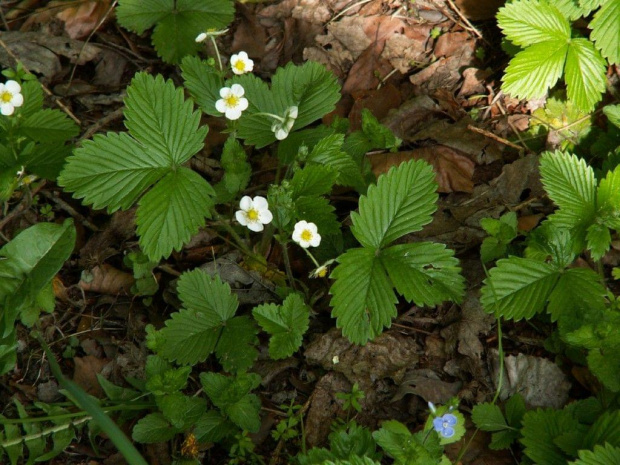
(232, 395)
(237, 171)
(310, 87)
(207, 324)
(164, 133)
(544, 32)
(286, 323)
(363, 297)
(177, 22)
(606, 30)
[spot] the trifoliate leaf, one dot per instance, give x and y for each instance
(571, 184)
(48, 126)
(165, 133)
(286, 323)
(203, 82)
(541, 428)
(585, 74)
(232, 396)
(362, 297)
(518, 288)
(165, 219)
(536, 69)
(28, 263)
(601, 455)
(528, 22)
(424, 273)
(153, 428)
(401, 202)
(313, 180)
(606, 30)
(191, 334)
(177, 22)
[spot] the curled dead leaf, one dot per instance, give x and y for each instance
(453, 171)
(81, 18)
(106, 279)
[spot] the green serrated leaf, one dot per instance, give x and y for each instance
(328, 151)
(605, 430)
(527, 22)
(536, 69)
(203, 82)
(379, 135)
(606, 30)
(48, 126)
(598, 239)
(540, 428)
(589, 5)
(319, 211)
(165, 219)
(585, 74)
(213, 427)
(571, 184)
(608, 199)
(488, 417)
(613, 114)
(286, 324)
(313, 180)
(401, 202)
(424, 273)
(601, 455)
(518, 288)
(236, 349)
(605, 365)
(570, 9)
(579, 290)
(232, 396)
(362, 297)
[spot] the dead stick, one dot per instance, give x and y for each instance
(490, 135)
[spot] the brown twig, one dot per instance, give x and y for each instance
(70, 210)
(490, 135)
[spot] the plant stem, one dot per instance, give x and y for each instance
(217, 53)
(54, 429)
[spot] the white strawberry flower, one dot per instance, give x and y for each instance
(10, 97)
(241, 63)
(283, 127)
(201, 37)
(232, 103)
(306, 234)
(254, 213)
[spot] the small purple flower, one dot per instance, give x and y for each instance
(444, 425)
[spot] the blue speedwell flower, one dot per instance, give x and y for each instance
(444, 425)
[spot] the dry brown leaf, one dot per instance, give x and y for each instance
(378, 101)
(249, 35)
(529, 222)
(85, 374)
(453, 171)
(81, 18)
(106, 279)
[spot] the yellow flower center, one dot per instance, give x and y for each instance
(6, 96)
(306, 235)
(240, 65)
(322, 272)
(252, 214)
(232, 101)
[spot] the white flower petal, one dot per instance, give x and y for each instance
(304, 244)
(242, 56)
(255, 226)
(265, 216)
(293, 112)
(6, 108)
(201, 37)
(225, 92)
(249, 65)
(297, 236)
(241, 217)
(233, 113)
(316, 240)
(260, 203)
(220, 106)
(281, 134)
(13, 87)
(17, 100)
(237, 90)
(242, 104)
(246, 203)
(234, 58)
